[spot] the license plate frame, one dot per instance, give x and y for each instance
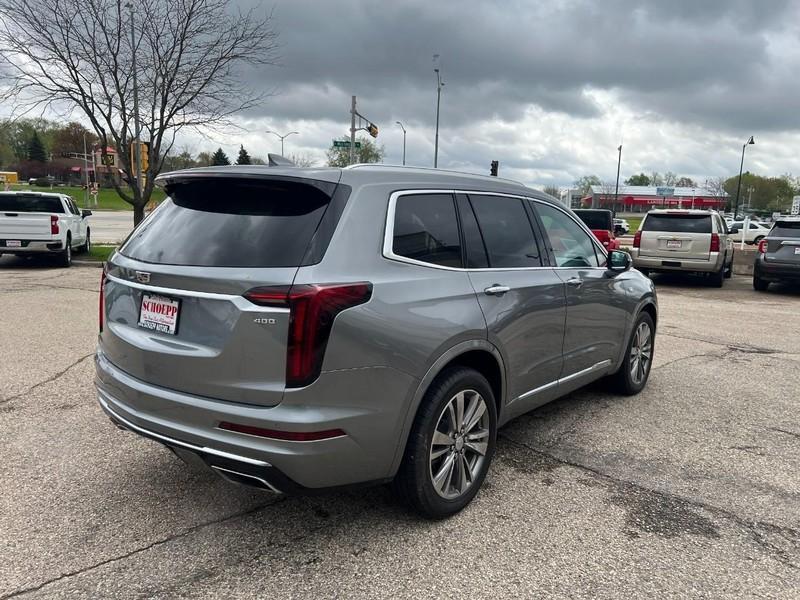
(674, 244)
(159, 317)
(13, 243)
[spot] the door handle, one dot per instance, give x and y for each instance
(575, 282)
(496, 290)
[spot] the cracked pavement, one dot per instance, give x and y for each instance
(691, 488)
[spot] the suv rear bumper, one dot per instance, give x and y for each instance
(675, 263)
(368, 404)
(771, 271)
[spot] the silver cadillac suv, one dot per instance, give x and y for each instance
(302, 329)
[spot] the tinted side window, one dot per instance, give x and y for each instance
(572, 246)
(506, 231)
(426, 229)
(475, 256)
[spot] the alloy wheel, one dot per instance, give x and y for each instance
(459, 445)
(641, 353)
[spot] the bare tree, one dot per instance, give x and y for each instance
(552, 190)
(303, 160)
(607, 189)
(64, 55)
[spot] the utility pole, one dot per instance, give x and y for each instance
(352, 131)
(439, 86)
(404, 141)
(739, 185)
(137, 150)
(85, 171)
(616, 188)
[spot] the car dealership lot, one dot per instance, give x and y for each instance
(691, 488)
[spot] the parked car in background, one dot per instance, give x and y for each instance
(755, 231)
(778, 257)
(600, 221)
(621, 227)
(328, 327)
(41, 224)
(684, 240)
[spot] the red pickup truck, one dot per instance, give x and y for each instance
(601, 222)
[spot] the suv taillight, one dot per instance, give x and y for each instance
(312, 309)
(102, 305)
(53, 225)
(714, 243)
(762, 246)
(637, 239)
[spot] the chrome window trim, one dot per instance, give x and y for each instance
(241, 302)
(388, 236)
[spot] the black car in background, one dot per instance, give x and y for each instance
(778, 257)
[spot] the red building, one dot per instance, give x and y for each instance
(639, 198)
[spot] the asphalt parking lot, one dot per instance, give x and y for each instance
(691, 489)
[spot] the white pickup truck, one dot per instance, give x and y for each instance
(38, 223)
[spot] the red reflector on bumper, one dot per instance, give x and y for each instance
(290, 436)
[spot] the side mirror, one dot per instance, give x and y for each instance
(86, 213)
(733, 230)
(619, 261)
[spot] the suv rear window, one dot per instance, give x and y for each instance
(786, 229)
(230, 223)
(678, 223)
(596, 219)
(18, 204)
(426, 229)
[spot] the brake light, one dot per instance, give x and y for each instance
(312, 309)
(637, 239)
(102, 303)
(714, 243)
(762, 246)
(291, 436)
(53, 224)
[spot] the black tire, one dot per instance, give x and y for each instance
(87, 245)
(758, 239)
(65, 256)
(623, 381)
(760, 285)
(414, 481)
(729, 270)
(718, 278)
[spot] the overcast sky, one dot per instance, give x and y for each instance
(549, 88)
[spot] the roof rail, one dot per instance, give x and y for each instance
(433, 170)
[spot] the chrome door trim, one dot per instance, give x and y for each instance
(595, 367)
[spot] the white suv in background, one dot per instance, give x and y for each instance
(684, 240)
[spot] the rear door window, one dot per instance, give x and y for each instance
(507, 231)
(426, 229)
(678, 223)
(22, 203)
(231, 223)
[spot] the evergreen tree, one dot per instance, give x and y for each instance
(36, 150)
(220, 158)
(244, 157)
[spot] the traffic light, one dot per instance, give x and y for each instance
(145, 156)
(372, 129)
(493, 171)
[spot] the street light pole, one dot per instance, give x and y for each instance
(616, 187)
(739, 185)
(439, 86)
(404, 141)
(137, 150)
(282, 137)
